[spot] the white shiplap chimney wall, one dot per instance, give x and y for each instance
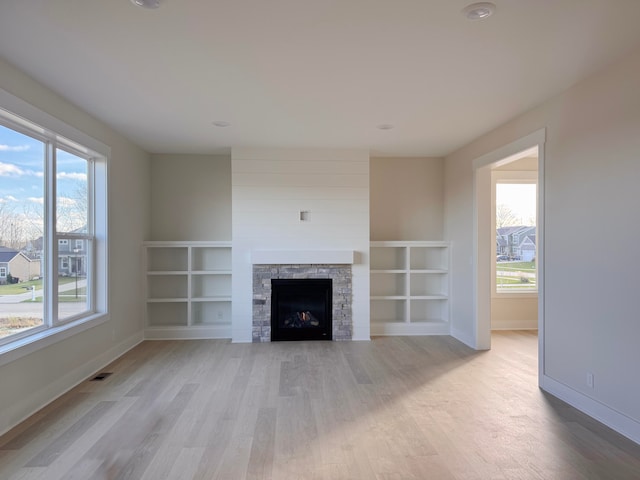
(270, 189)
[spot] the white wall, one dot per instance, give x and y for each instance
(514, 313)
(591, 171)
(30, 382)
(190, 197)
(407, 198)
(269, 189)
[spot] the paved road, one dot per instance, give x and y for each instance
(12, 305)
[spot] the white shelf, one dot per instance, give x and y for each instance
(410, 286)
(212, 299)
(188, 290)
(211, 272)
(429, 271)
(167, 300)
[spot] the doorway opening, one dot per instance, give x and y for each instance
(514, 286)
(485, 235)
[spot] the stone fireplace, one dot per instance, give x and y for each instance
(341, 294)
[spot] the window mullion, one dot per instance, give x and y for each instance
(50, 298)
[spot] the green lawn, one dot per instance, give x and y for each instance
(508, 280)
(514, 276)
(517, 266)
(17, 288)
(68, 296)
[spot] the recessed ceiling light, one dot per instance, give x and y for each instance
(146, 3)
(479, 11)
(385, 126)
(221, 123)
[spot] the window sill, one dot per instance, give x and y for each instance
(45, 338)
(505, 295)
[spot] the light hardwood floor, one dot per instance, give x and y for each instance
(392, 408)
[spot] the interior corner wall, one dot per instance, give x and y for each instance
(32, 381)
(591, 170)
(191, 197)
(407, 198)
(270, 187)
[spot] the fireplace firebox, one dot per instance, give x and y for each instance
(301, 309)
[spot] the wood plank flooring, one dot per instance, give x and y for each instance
(392, 408)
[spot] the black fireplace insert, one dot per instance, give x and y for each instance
(301, 309)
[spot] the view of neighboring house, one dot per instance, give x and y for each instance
(72, 257)
(16, 265)
(72, 254)
(516, 243)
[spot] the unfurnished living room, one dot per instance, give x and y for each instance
(319, 240)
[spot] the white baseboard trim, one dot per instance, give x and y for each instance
(617, 421)
(462, 337)
(360, 338)
(402, 328)
(207, 332)
(514, 324)
(14, 414)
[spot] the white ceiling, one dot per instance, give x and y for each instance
(311, 73)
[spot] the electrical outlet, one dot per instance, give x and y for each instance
(589, 379)
(220, 315)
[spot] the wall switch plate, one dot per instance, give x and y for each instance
(589, 379)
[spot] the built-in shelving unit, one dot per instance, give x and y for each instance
(188, 289)
(409, 288)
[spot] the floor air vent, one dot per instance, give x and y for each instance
(101, 376)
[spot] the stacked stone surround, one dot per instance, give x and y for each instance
(340, 274)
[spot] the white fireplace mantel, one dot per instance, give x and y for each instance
(279, 257)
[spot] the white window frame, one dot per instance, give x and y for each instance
(63, 241)
(3, 272)
(22, 117)
(509, 176)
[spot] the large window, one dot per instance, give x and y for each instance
(52, 229)
(515, 200)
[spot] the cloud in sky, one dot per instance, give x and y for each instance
(39, 200)
(13, 148)
(10, 169)
(72, 176)
(65, 201)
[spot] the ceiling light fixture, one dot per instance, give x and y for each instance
(146, 3)
(479, 11)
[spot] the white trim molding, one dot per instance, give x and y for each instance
(617, 421)
(302, 257)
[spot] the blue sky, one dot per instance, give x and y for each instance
(22, 167)
(22, 175)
